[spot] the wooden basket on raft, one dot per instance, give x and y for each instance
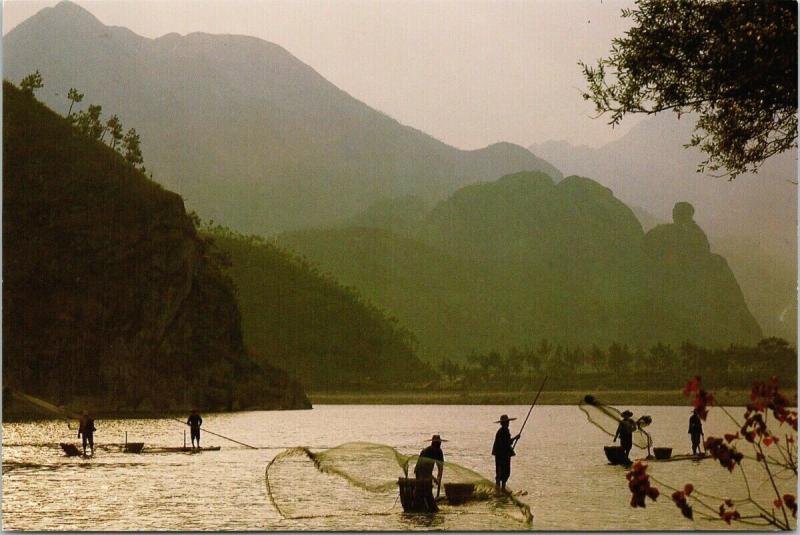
(416, 495)
(662, 453)
(458, 492)
(133, 447)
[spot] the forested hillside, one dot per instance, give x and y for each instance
(321, 332)
(111, 299)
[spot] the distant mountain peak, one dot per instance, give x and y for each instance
(249, 133)
(66, 11)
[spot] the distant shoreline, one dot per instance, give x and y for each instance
(737, 397)
(730, 398)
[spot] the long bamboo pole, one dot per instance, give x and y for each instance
(529, 411)
(205, 430)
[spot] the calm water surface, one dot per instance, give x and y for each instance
(559, 463)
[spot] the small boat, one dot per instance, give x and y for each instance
(416, 495)
(616, 455)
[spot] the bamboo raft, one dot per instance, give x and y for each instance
(185, 449)
(71, 450)
(616, 456)
(682, 457)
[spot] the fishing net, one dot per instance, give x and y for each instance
(361, 478)
(42, 404)
(607, 418)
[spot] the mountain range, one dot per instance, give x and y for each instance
(246, 132)
(470, 250)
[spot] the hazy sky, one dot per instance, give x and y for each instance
(467, 72)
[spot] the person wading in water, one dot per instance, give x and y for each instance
(194, 422)
(625, 432)
(86, 428)
(428, 457)
(696, 431)
(503, 450)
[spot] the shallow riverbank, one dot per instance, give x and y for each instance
(557, 397)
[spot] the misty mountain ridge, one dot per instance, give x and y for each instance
(245, 131)
(520, 259)
(751, 220)
(651, 168)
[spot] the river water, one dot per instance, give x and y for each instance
(560, 469)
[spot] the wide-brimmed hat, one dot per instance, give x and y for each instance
(504, 418)
(437, 438)
(625, 414)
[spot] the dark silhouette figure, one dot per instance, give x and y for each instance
(428, 457)
(86, 429)
(194, 422)
(503, 450)
(625, 432)
(695, 431)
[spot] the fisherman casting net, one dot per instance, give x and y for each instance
(359, 478)
(607, 418)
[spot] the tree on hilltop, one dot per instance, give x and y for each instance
(89, 123)
(114, 127)
(31, 83)
(131, 145)
(74, 98)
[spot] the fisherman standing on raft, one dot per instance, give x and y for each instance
(86, 428)
(696, 431)
(625, 432)
(429, 456)
(503, 450)
(194, 422)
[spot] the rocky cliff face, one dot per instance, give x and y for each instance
(695, 284)
(110, 296)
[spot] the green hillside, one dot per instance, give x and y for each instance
(321, 332)
(111, 300)
(512, 262)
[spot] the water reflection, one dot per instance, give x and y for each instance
(559, 462)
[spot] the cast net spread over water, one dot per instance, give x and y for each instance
(607, 418)
(361, 478)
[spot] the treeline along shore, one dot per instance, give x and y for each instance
(618, 373)
(725, 397)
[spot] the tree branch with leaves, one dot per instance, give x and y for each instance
(734, 63)
(31, 83)
(774, 452)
